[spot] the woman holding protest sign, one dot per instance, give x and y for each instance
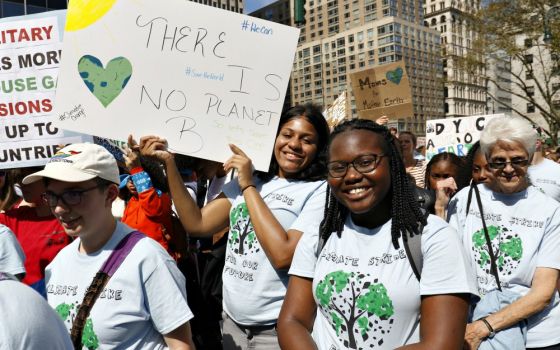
(511, 231)
(266, 214)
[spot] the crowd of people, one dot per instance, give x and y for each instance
(351, 240)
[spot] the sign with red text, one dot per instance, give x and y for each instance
(199, 76)
(383, 90)
(454, 135)
(30, 51)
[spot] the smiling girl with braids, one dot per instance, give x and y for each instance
(360, 291)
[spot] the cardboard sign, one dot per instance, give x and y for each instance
(454, 135)
(30, 50)
(200, 76)
(336, 113)
(383, 90)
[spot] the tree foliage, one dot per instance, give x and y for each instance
(514, 29)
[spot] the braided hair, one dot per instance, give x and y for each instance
(405, 211)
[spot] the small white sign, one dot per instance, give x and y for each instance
(454, 135)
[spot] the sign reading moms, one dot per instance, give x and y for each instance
(383, 90)
(30, 50)
(199, 76)
(454, 135)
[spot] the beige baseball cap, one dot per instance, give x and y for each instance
(79, 162)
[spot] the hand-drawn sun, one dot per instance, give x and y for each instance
(83, 13)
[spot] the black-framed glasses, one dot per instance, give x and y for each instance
(363, 164)
(71, 197)
(515, 163)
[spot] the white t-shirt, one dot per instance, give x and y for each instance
(525, 231)
(253, 290)
(28, 322)
(144, 299)
(11, 254)
(366, 292)
(546, 176)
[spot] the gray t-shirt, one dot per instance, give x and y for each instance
(546, 176)
(28, 322)
(144, 299)
(11, 254)
(366, 292)
(524, 229)
(253, 289)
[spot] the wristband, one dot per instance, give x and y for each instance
(492, 332)
(246, 187)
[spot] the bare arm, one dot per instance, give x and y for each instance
(180, 338)
(444, 190)
(297, 315)
(212, 218)
(442, 325)
(542, 290)
(278, 245)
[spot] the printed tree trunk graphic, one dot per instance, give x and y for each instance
(241, 229)
(349, 299)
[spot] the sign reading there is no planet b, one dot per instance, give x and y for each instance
(200, 76)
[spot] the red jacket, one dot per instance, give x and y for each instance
(150, 211)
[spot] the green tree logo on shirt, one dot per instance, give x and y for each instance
(360, 311)
(506, 245)
(89, 338)
(242, 237)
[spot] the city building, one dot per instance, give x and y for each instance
(28, 7)
(465, 92)
(346, 36)
(536, 76)
(498, 84)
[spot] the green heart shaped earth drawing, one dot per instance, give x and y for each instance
(395, 76)
(105, 83)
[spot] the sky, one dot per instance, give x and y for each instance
(253, 5)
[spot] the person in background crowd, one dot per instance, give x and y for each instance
(346, 294)
(523, 227)
(420, 152)
(476, 165)
(266, 214)
(11, 254)
(143, 305)
(8, 195)
(415, 167)
(27, 321)
(148, 207)
(40, 234)
(544, 173)
(443, 175)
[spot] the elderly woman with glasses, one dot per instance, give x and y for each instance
(511, 230)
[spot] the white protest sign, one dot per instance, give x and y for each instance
(454, 135)
(199, 76)
(30, 50)
(336, 113)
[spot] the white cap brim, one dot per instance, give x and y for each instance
(60, 173)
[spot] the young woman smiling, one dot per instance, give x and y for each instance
(359, 290)
(266, 214)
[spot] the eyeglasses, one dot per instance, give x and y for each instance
(515, 163)
(72, 197)
(363, 164)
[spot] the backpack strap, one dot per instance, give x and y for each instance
(111, 265)
(413, 248)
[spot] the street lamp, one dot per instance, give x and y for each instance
(547, 32)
